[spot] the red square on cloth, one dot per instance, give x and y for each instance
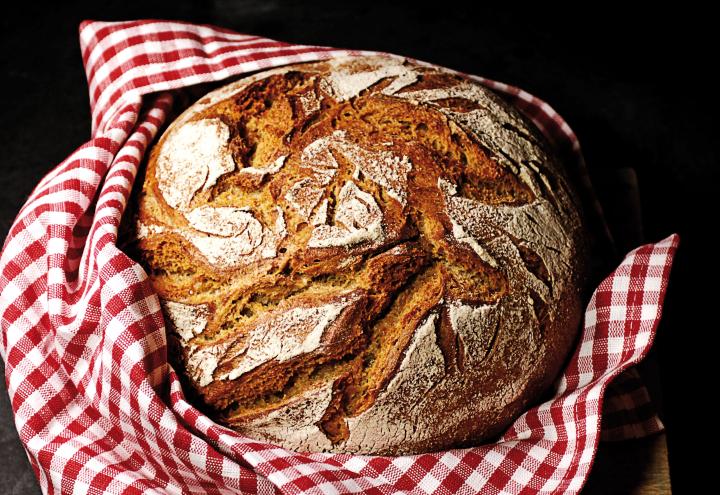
(96, 404)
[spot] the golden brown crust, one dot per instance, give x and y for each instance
(362, 255)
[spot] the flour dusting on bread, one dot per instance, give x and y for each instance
(365, 254)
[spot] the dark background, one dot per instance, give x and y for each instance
(635, 85)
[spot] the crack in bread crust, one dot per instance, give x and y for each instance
(361, 255)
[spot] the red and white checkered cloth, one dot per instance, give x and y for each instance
(99, 409)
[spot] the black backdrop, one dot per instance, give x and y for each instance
(635, 85)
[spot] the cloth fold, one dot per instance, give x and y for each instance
(99, 409)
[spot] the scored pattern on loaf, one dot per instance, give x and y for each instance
(344, 248)
(193, 159)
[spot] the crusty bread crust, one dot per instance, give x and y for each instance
(362, 255)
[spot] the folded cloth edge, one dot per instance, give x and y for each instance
(9, 269)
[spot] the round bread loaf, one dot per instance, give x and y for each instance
(365, 255)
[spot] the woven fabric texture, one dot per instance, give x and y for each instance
(99, 409)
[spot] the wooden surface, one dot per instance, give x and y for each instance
(637, 467)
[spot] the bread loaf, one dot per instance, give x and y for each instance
(364, 255)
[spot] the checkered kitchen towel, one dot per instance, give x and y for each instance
(96, 404)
